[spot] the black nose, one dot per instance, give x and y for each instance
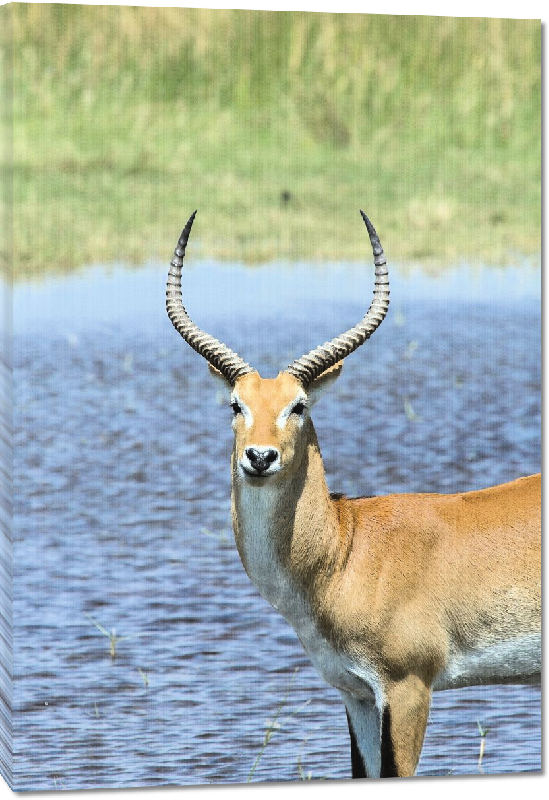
(261, 459)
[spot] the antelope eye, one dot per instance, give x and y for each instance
(236, 408)
(298, 409)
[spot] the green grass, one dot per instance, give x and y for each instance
(126, 119)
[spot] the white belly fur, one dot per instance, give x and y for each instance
(514, 661)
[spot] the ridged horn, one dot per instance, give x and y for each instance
(314, 363)
(218, 354)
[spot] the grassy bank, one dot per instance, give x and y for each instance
(278, 126)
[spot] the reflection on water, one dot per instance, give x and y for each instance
(122, 513)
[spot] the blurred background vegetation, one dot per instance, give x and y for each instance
(278, 127)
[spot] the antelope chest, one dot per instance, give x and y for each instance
(257, 543)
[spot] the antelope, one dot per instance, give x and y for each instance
(392, 597)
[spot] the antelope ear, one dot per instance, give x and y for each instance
(222, 382)
(323, 382)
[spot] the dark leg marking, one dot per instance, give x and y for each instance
(388, 764)
(357, 764)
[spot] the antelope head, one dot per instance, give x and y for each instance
(272, 421)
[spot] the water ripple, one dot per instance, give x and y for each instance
(122, 516)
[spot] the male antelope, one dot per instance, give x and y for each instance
(392, 597)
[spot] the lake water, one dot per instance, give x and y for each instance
(122, 512)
